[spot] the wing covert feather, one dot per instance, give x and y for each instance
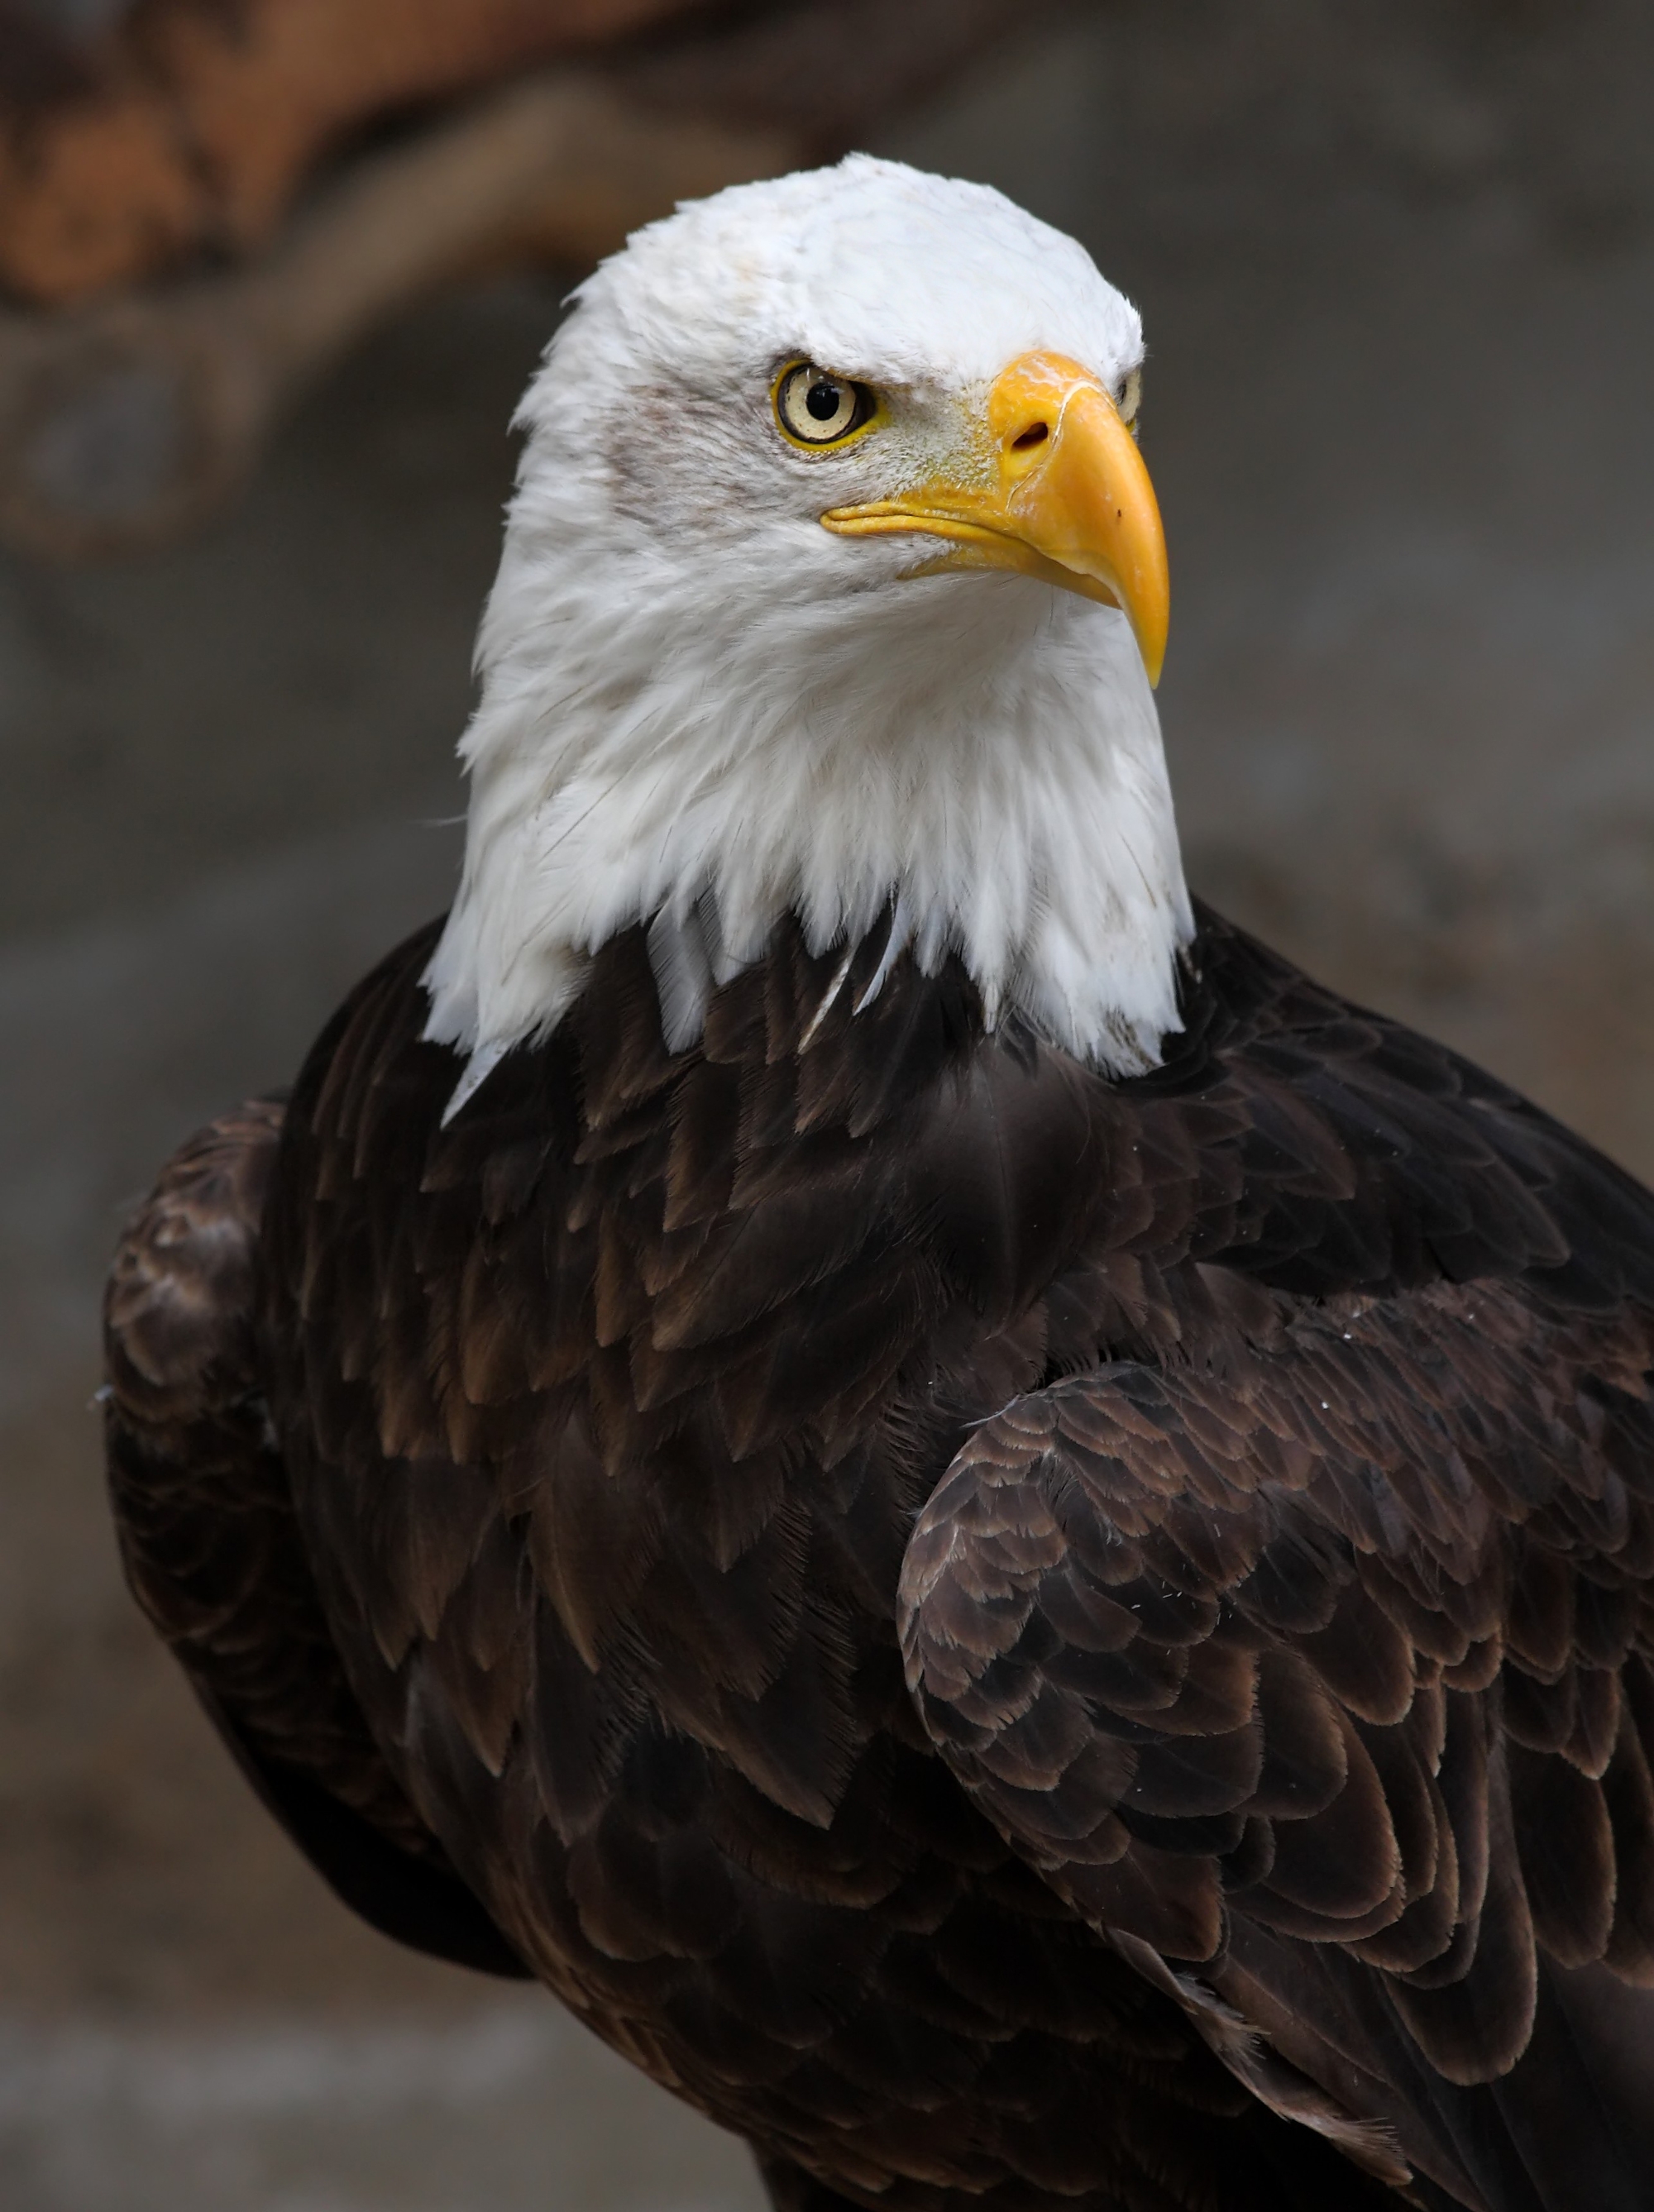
(1344, 1636)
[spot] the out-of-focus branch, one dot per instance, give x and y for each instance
(190, 125)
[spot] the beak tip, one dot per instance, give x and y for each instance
(1151, 639)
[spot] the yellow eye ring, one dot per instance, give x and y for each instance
(818, 412)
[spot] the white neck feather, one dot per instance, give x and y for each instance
(982, 750)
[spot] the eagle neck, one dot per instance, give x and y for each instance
(984, 760)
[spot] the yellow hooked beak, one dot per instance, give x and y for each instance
(1061, 494)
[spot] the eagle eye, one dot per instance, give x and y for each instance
(1130, 396)
(815, 408)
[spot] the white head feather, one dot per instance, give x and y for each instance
(702, 707)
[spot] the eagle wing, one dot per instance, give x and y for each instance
(1318, 1677)
(214, 1554)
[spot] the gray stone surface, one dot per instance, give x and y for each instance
(1397, 265)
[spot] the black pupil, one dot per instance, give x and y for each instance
(823, 401)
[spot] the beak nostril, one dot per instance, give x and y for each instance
(1035, 435)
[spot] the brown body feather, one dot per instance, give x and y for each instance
(1266, 1811)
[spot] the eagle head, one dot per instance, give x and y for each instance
(834, 583)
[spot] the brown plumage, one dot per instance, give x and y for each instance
(1234, 1792)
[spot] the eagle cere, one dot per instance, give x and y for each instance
(1007, 1541)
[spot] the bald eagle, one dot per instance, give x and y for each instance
(1013, 1545)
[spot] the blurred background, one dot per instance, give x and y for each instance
(1396, 262)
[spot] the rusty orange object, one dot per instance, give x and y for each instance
(194, 124)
